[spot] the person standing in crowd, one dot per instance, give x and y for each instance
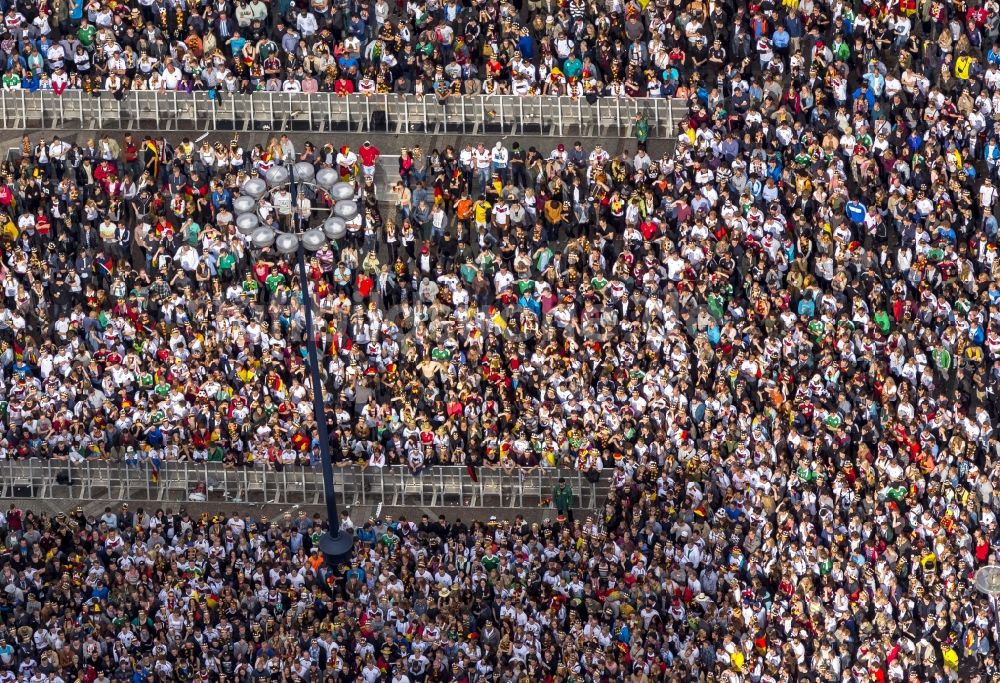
(563, 499)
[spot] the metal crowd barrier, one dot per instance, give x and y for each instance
(327, 112)
(179, 482)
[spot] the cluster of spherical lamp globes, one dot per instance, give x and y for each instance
(336, 545)
(303, 173)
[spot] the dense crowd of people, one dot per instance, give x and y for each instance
(575, 48)
(778, 340)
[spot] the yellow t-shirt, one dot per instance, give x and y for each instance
(950, 658)
(962, 67)
(482, 210)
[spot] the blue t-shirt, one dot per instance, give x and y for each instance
(237, 44)
(856, 212)
(572, 67)
(526, 46)
(155, 437)
(220, 198)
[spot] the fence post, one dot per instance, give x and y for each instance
(126, 490)
(343, 483)
(243, 485)
(133, 97)
(361, 482)
(83, 482)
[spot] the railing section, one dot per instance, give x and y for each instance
(327, 112)
(178, 482)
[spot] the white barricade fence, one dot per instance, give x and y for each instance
(178, 482)
(327, 112)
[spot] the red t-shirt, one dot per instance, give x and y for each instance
(368, 155)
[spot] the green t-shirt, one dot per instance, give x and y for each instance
(716, 305)
(468, 272)
(85, 35)
(642, 129)
(273, 281)
(942, 358)
(267, 49)
(883, 322)
(11, 80)
(226, 262)
(897, 494)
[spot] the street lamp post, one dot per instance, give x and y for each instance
(336, 545)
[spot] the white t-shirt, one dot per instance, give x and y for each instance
(171, 78)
